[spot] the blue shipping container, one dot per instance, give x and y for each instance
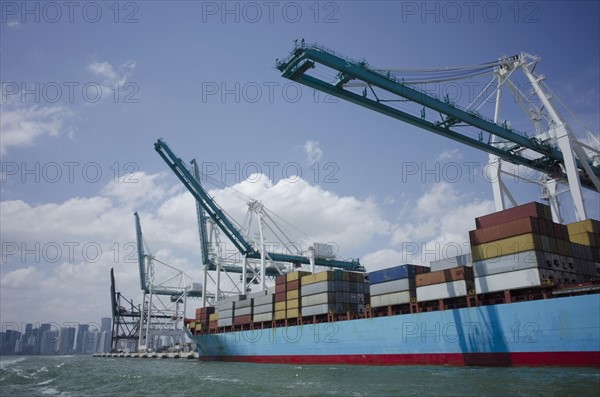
(396, 273)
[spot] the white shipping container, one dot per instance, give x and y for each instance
(511, 280)
(268, 308)
(243, 311)
(263, 300)
(317, 309)
(225, 313)
(318, 299)
(455, 261)
(225, 322)
(257, 318)
(233, 298)
(244, 303)
(221, 306)
(451, 289)
(509, 263)
(395, 298)
(389, 287)
(317, 288)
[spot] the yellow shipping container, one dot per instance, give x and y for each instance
(199, 327)
(507, 246)
(589, 226)
(585, 238)
(279, 315)
(293, 294)
(293, 304)
(193, 325)
(296, 275)
(293, 313)
(213, 317)
(317, 277)
(280, 306)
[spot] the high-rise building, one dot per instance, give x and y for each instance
(49, 343)
(105, 324)
(66, 340)
(104, 345)
(79, 338)
(23, 345)
(91, 341)
(8, 341)
(40, 337)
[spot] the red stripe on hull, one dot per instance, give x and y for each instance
(534, 359)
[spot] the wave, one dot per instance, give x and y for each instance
(6, 363)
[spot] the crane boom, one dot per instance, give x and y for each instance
(201, 215)
(140, 251)
(226, 225)
(305, 57)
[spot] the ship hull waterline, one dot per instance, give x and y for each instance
(548, 332)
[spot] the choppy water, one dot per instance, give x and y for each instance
(96, 376)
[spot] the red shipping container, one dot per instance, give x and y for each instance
(280, 288)
(281, 297)
(242, 320)
(534, 209)
(504, 230)
(293, 285)
(280, 279)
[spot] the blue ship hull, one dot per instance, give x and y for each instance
(559, 331)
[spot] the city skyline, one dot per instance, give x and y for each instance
(56, 338)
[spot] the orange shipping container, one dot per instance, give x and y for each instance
(445, 276)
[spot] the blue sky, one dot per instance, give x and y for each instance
(169, 63)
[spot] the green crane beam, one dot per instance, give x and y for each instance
(304, 58)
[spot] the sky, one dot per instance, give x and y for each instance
(88, 87)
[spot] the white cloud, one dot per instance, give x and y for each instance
(437, 228)
(103, 69)
(383, 259)
(99, 231)
(313, 151)
(322, 215)
(110, 73)
(22, 126)
(450, 155)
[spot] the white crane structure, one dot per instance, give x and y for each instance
(166, 290)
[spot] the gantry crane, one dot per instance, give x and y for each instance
(226, 226)
(555, 152)
(164, 301)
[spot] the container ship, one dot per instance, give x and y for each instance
(526, 295)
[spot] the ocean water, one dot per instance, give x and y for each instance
(101, 376)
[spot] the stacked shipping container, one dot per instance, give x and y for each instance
(394, 286)
(334, 291)
(226, 309)
(202, 318)
(262, 302)
(521, 247)
(280, 298)
(444, 284)
(293, 289)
